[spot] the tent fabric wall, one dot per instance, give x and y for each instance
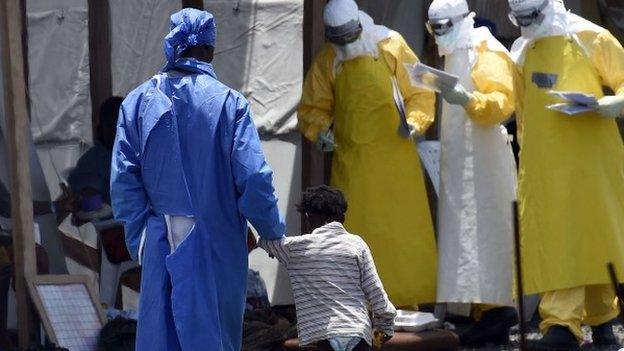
(137, 31)
(58, 57)
(59, 86)
(259, 51)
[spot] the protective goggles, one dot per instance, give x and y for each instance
(440, 27)
(528, 17)
(344, 34)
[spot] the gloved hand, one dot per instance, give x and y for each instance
(455, 95)
(407, 134)
(611, 106)
(325, 141)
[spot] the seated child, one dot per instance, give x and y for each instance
(334, 279)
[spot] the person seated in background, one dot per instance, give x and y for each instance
(91, 177)
(334, 279)
(40, 208)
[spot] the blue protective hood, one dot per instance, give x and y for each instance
(189, 27)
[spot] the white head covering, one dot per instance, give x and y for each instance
(441, 9)
(557, 22)
(339, 12)
(459, 37)
(366, 44)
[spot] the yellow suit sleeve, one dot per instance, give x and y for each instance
(607, 56)
(315, 112)
(419, 103)
(493, 98)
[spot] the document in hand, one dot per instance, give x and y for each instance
(430, 78)
(575, 102)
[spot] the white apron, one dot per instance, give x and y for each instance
(477, 187)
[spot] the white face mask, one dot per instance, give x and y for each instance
(446, 43)
(534, 31)
(366, 44)
(363, 46)
(458, 38)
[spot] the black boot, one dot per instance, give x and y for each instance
(557, 338)
(493, 328)
(602, 335)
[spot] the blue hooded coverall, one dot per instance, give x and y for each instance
(187, 146)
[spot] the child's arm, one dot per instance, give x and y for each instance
(276, 248)
(383, 310)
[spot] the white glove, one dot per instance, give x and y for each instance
(325, 141)
(456, 95)
(611, 106)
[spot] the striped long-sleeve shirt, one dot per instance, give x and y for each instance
(335, 284)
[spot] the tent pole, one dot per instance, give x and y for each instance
(18, 127)
(100, 75)
(315, 165)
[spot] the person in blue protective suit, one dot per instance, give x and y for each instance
(188, 173)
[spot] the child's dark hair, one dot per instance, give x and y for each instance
(323, 200)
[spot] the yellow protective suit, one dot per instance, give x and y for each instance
(592, 305)
(571, 181)
(379, 172)
(493, 98)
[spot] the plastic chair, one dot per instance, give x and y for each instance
(116, 265)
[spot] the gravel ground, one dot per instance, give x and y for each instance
(534, 335)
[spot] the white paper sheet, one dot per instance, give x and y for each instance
(574, 102)
(430, 78)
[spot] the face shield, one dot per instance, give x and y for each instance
(529, 17)
(443, 26)
(344, 34)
